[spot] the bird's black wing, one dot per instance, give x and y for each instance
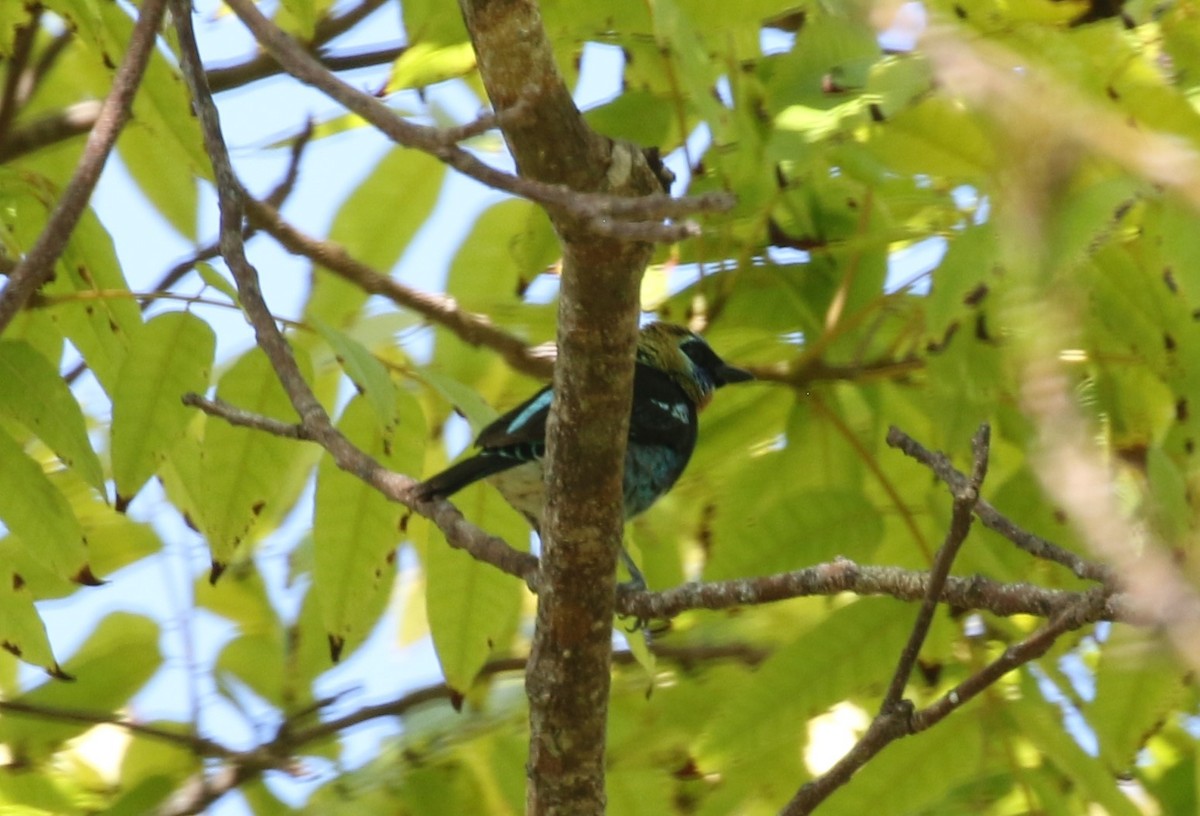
(662, 413)
(523, 425)
(456, 477)
(510, 440)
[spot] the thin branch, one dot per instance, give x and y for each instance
(832, 578)
(842, 575)
(47, 60)
(38, 264)
(470, 327)
(459, 533)
(960, 526)
(245, 419)
(15, 74)
(590, 208)
(992, 518)
(71, 121)
(276, 197)
(261, 66)
(199, 746)
(1086, 610)
(901, 721)
(812, 370)
(201, 790)
(79, 118)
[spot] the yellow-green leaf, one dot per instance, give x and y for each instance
(472, 607)
(37, 513)
(366, 372)
(356, 529)
(116, 660)
(248, 475)
(171, 356)
(32, 392)
(21, 629)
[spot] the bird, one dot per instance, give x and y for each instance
(675, 375)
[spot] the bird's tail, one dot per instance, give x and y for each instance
(455, 478)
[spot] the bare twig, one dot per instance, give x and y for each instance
(15, 74)
(202, 790)
(470, 327)
(840, 575)
(199, 746)
(900, 722)
(590, 208)
(245, 419)
(811, 370)
(459, 533)
(276, 198)
(992, 518)
(960, 525)
(71, 121)
(224, 78)
(38, 264)
(843, 575)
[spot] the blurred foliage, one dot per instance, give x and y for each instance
(897, 238)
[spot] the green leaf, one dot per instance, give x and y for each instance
(32, 392)
(37, 791)
(679, 40)
(162, 168)
(462, 397)
(424, 64)
(356, 528)
(248, 479)
(1138, 684)
(171, 356)
(512, 243)
(116, 660)
(761, 710)
(257, 660)
(936, 137)
(21, 629)
(38, 514)
(790, 527)
(216, 280)
(472, 607)
(375, 225)
(95, 315)
(369, 376)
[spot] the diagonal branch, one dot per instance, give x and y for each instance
(960, 525)
(38, 264)
(992, 518)
(593, 209)
(459, 533)
(199, 746)
(313, 419)
(828, 579)
(901, 721)
(201, 791)
(15, 72)
(226, 77)
(473, 328)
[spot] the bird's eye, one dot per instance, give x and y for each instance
(699, 353)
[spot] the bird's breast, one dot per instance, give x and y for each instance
(650, 470)
(524, 488)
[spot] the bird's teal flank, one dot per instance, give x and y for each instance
(675, 375)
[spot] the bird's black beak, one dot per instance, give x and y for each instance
(727, 375)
